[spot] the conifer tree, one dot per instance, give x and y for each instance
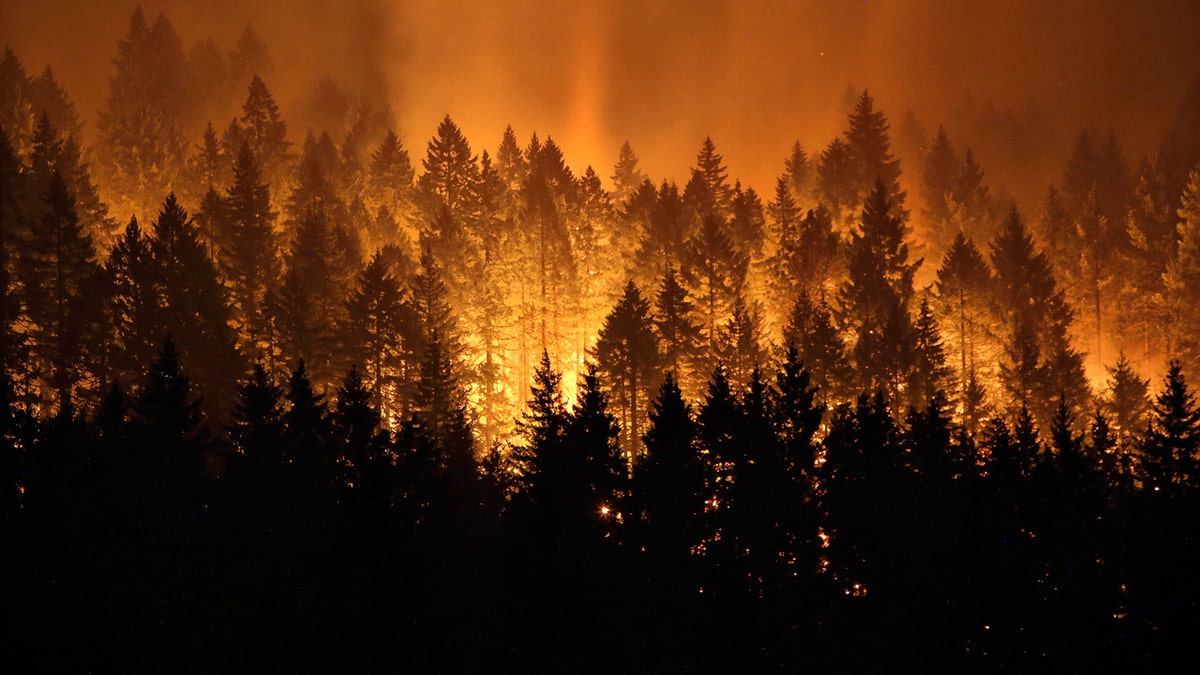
(379, 332)
(1173, 439)
(138, 322)
(740, 342)
(390, 179)
(869, 148)
(195, 305)
(798, 171)
(664, 232)
(1127, 403)
(677, 332)
(708, 192)
(17, 115)
(142, 129)
(931, 376)
(12, 341)
(169, 419)
(939, 179)
(874, 300)
(257, 426)
(451, 175)
(627, 177)
(249, 262)
(55, 268)
(715, 272)
(601, 476)
(306, 423)
(627, 357)
(836, 181)
(52, 153)
(261, 126)
(810, 258)
(1182, 277)
(671, 482)
(810, 329)
(962, 289)
(312, 300)
(355, 424)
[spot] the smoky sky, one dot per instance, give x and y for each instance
(756, 76)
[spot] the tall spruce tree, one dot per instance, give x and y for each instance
(55, 268)
(195, 305)
(627, 356)
(874, 300)
(1172, 443)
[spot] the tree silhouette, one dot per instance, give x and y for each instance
(627, 356)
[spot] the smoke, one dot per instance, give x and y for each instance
(754, 76)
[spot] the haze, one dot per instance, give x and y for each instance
(754, 76)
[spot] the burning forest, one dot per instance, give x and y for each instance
(298, 376)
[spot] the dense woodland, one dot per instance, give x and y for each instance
(319, 406)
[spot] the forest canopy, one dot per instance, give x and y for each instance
(876, 396)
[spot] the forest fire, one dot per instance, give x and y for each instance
(378, 325)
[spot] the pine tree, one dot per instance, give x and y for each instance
(869, 148)
(798, 172)
(440, 407)
(451, 175)
(141, 129)
(1034, 322)
(249, 56)
(55, 268)
(809, 260)
(798, 413)
(390, 180)
(257, 426)
(1127, 403)
(601, 477)
(249, 263)
(1152, 238)
(740, 342)
(677, 332)
(874, 300)
(627, 356)
(209, 167)
(379, 332)
(52, 153)
(306, 424)
(664, 232)
(784, 216)
(17, 114)
(138, 322)
(671, 482)
(626, 175)
(262, 127)
(810, 329)
(355, 425)
(715, 272)
(169, 418)
(1173, 439)
(939, 180)
(315, 186)
(1182, 277)
(195, 305)
(12, 341)
(836, 182)
(208, 86)
(930, 376)
(962, 289)
(312, 298)
(708, 193)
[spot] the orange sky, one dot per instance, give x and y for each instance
(754, 75)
